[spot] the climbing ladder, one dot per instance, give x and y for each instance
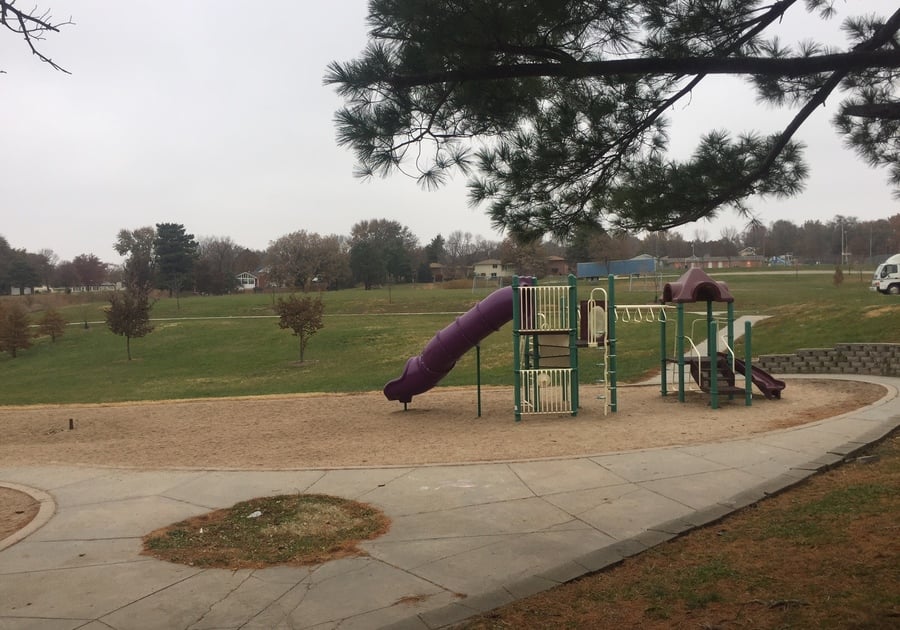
(603, 314)
(597, 337)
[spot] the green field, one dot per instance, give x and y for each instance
(232, 345)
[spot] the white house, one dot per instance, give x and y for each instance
(493, 268)
(247, 281)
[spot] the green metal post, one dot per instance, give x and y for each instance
(748, 367)
(662, 354)
(679, 349)
(711, 339)
(532, 390)
(613, 361)
(478, 374)
(573, 339)
(517, 358)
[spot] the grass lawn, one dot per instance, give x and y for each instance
(231, 345)
(823, 555)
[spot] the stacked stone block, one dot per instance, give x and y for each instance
(880, 359)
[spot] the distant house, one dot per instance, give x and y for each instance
(716, 262)
(247, 281)
(493, 268)
(558, 266)
(437, 271)
(93, 288)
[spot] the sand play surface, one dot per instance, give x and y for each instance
(338, 430)
(440, 426)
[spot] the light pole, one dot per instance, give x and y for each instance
(845, 255)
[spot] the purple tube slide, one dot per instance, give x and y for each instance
(448, 345)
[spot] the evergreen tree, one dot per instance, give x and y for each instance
(175, 252)
(572, 100)
(22, 274)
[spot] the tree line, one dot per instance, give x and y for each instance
(167, 258)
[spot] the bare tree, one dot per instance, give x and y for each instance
(14, 332)
(302, 258)
(52, 324)
(32, 25)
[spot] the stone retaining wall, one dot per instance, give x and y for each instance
(880, 359)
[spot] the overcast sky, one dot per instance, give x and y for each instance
(212, 114)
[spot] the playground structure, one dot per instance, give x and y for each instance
(713, 371)
(550, 325)
(424, 371)
(545, 348)
(601, 315)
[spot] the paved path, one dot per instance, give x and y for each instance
(464, 538)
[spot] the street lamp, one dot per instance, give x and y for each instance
(844, 253)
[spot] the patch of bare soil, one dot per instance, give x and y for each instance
(280, 530)
(17, 509)
(441, 426)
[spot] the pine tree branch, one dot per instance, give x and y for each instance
(885, 111)
(762, 66)
(884, 34)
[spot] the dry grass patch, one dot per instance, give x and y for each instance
(821, 555)
(285, 529)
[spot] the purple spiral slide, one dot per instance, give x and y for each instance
(448, 345)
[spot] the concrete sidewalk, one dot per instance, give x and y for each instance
(465, 539)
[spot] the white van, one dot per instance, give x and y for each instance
(887, 276)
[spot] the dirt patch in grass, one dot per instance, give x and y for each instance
(297, 529)
(821, 555)
(881, 311)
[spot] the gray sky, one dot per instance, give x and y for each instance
(213, 114)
